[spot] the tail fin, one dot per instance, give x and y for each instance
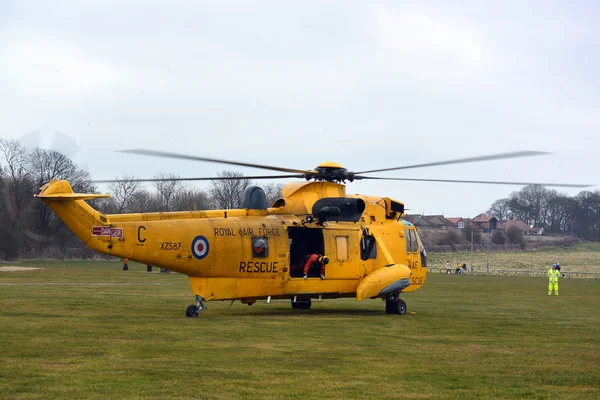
(72, 209)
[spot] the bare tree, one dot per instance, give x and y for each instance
(2, 184)
(123, 191)
(588, 215)
(533, 199)
(228, 194)
(106, 206)
(273, 192)
(18, 180)
(500, 209)
(560, 213)
(16, 197)
(144, 202)
(46, 165)
(192, 199)
(168, 188)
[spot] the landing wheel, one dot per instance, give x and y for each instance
(401, 307)
(301, 304)
(395, 305)
(192, 311)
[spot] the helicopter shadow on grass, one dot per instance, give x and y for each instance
(313, 313)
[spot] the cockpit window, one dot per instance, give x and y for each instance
(414, 247)
(411, 241)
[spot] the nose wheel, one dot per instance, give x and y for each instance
(394, 304)
(194, 310)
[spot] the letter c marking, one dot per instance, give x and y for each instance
(139, 233)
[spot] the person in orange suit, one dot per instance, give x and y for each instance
(318, 259)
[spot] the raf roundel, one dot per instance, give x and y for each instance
(200, 247)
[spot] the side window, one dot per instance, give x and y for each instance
(341, 244)
(407, 236)
(260, 247)
(368, 248)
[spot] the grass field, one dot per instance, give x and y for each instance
(89, 330)
(582, 257)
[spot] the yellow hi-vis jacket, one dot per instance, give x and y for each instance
(553, 275)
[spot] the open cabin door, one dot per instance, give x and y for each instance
(338, 244)
(304, 242)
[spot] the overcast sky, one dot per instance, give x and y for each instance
(368, 84)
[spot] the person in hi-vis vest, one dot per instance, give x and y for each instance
(553, 275)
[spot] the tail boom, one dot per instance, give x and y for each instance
(72, 209)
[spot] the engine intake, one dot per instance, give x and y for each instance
(338, 209)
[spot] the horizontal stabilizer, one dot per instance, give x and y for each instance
(72, 196)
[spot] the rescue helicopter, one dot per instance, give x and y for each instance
(258, 252)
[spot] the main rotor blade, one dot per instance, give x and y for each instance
(573, 185)
(216, 178)
(214, 160)
(514, 154)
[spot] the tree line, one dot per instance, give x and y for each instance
(556, 212)
(28, 228)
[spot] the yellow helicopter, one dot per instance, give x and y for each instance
(316, 242)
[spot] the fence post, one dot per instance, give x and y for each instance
(487, 257)
(471, 250)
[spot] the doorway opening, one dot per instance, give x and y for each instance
(304, 242)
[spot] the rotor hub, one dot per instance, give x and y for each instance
(331, 172)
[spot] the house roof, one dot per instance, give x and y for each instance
(455, 220)
(483, 218)
(438, 220)
(515, 224)
(431, 221)
(417, 220)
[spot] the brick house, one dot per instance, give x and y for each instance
(522, 226)
(459, 223)
(485, 223)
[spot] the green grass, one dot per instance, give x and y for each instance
(89, 330)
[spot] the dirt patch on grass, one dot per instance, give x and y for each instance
(17, 269)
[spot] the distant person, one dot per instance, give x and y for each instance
(558, 269)
(316, 259)
(448, 268)
(553, 275)
(125, 264)
(457, 269)
(464, 268)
